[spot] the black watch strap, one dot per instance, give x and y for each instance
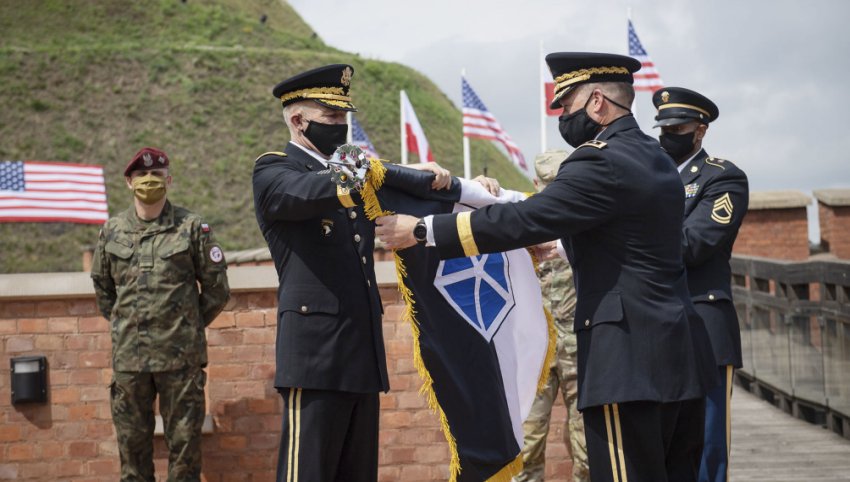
(420, 231)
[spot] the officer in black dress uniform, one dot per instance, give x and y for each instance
(716, 198)
(330, 350)
(644, 364)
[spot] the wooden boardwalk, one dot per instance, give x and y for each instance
(770, 445)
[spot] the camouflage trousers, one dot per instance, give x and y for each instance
(182, 406)
(563, 376)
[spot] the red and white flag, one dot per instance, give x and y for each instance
(548, 89)
(35, 191)
(647, 77)
(416, 141)
(479, 123)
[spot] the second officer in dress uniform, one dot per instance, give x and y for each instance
(329, 349)
(644, 364)
(716, 198)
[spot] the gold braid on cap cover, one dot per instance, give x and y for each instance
(321, 93)
(684, 106)
(570, 78)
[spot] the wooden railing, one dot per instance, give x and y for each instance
(795, 332)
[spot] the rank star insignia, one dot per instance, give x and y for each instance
(691, 190)
(346, 76)
(721, 213)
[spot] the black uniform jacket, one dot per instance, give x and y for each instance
(617, 205)
(329, 332)
(716, 199)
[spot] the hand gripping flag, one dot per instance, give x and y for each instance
(482, 339)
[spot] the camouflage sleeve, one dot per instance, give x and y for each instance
(211, 272)
(104, 286)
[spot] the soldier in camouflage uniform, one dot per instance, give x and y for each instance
(148, 266)
(556, 280)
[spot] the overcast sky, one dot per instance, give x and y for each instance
(778, 69)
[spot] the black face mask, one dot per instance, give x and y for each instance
(678, 145)
(578, 127)
(326, 137)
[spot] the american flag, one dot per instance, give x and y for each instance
(647, 77)
(479, 123)
(34, 191)
(361, 140)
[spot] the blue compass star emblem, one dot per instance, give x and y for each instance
(479, 289)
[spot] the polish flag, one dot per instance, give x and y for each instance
(416, 140)
(548, 88)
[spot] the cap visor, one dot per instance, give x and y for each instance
(337, 105)
(555, 102)
(672, 121)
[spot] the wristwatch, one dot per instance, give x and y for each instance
(420, 231)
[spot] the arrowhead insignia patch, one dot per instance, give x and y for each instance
(721, 213)
(479, 290)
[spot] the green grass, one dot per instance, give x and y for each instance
(92, 81)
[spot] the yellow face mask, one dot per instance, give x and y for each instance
(149, 188)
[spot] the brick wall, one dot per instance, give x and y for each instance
(776, 226)
(74, 432)
(834, 216)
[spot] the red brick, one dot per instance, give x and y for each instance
(232, 442)
(52, 308)
(16, 344)
(220, 354)
(228, 337)
(8, 327)
(267, 405)
(93, 324)
(95, 359)
(32, 325)
(225, 319)
(65, 395)
(80, 342)
(49, 342)
(247, 354)
(10, 433)
(82, 449)
(66, 468)
(50, 450)
(259, 336)
(21, 451)
(82, 307)
(263, 371)
(66, 324)
(85, 377)
(101, 430)
(94, 394)
(227, 372)
(83, 412)
(17, 309)
(103, 467)
(250, 318)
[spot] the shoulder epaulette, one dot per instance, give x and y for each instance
(594, 143)
(716, 162)
(276, 153)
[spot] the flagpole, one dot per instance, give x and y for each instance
(634, 102)
(403, 130)
(542, 103)
(467, 163)
(348, 137)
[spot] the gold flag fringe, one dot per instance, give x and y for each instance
(372, 208)
(508, 471)
(553, 335)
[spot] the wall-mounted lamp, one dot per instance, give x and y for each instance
(29, 379)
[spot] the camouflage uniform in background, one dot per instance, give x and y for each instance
(146, 276)
(556, 280)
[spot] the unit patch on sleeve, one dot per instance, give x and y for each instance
(205, 227)
(216, 255)
(721, 213)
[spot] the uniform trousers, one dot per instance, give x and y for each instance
(645, 441)
(183, 408)
(714, 466)
(328, 436)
